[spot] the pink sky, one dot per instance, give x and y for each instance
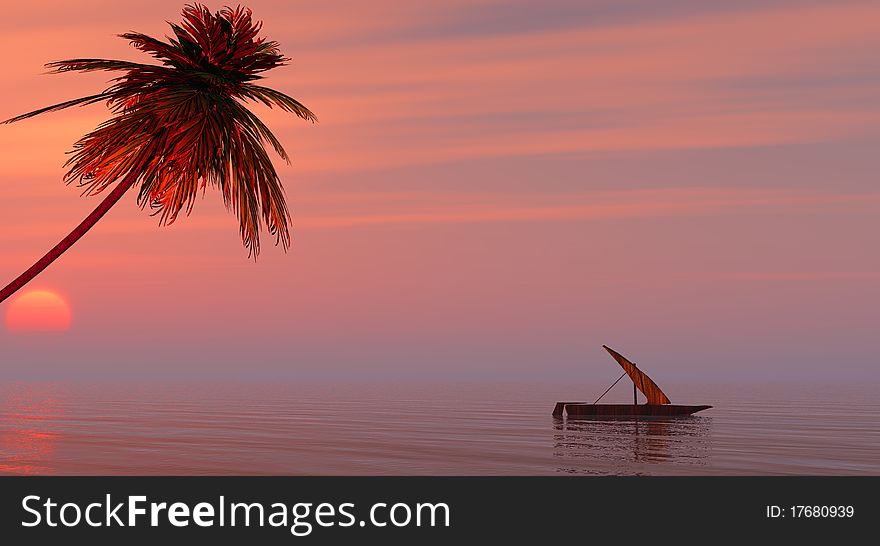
(495, 190)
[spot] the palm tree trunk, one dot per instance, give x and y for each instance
(71, 238)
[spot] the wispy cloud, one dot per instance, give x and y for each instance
(390, 208)
(800, 276)
(603, 205)
(698, 80)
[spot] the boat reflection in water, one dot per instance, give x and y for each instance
(619, 445)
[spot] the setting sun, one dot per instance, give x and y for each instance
(38, 311)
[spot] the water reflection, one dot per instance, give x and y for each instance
(600, 445)
(28, 439)
(428, 429)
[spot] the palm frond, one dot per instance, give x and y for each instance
(82, 101)
(91, 65)
(247, 119)
(271, 97)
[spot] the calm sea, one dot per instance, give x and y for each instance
(429, 429)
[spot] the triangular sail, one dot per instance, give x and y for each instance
(642, 382)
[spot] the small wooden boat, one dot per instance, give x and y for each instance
(657, 405)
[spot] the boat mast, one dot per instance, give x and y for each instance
(635, 396)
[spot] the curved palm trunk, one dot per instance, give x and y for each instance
(71, 238)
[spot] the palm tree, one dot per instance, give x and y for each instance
(181, 126)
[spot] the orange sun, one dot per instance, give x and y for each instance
(38, 311)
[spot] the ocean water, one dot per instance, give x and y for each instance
(430, 429)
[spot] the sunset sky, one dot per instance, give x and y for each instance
(494, 190)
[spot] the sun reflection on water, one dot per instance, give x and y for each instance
(28, 433)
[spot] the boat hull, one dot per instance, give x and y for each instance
(584, 409)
